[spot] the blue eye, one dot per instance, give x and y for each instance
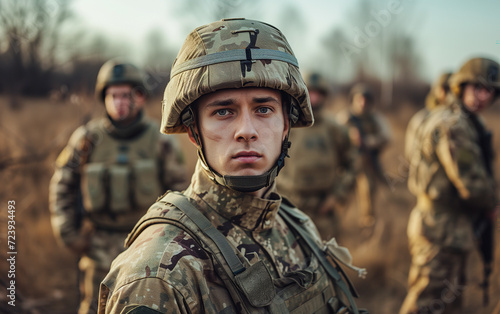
(222, 112)
(263, 110)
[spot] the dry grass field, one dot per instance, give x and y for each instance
(46, 282)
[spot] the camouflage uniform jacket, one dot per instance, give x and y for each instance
(65, 189)
(450, 178)
(417, 120)
(412, 131)
(374, 133)
(167, 270)
(322, 162)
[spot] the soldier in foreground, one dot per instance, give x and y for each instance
(451, 176)
(108, 175)
(437, 96)
(230, 243)
(370, 133)
(321, 171)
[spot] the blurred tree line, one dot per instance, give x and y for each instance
(34, 56)
(42, 51)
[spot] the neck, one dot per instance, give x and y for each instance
(131, 129)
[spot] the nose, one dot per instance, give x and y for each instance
(245, 127)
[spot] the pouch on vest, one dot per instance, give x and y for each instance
(146, 185)
(119, 188)
(94, 187)
(256, 284)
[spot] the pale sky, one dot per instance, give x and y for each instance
(446, 32)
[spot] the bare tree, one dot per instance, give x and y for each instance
(157, 61)
(377, 46)
(32, 31)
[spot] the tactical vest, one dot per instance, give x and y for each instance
(252, 286)
(366, 124)
(314, 155)
(121, 175)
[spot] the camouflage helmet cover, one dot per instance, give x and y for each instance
(115, 72)
(443, 80)
(442, 84)
(477, 70)
(232, 53)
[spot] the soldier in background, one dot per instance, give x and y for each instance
(437, 96)
(108, 174)
(230, 243)
(370, 133)
(321, 171)
(452, 177)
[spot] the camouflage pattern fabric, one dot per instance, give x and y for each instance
(412, 132)
(371, 133)
(248, 37)
(165, 269)
(322, 163)
(452, 187)
(98, 237)
(431, 102)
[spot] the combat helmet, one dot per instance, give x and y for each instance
(234, 53)
(117, 72)
(477, 70)
(432, 100)
(316, 81)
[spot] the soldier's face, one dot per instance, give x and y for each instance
(476, 97)
(123, 103)
(360, 104)
(241, 129)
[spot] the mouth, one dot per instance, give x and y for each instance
(247, 157)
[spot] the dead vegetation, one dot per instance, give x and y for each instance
(46, 280)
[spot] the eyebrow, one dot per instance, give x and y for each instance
(228, 102)
(262, 100)
(220, 103)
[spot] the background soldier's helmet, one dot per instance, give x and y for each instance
(433, 100)
(476, 71)
(443, 81)
(115, 72)
(315, 81)
(363, 89)
(233, 53)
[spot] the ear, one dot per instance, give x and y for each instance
(191, 136)
(140, 97)
(286, 127)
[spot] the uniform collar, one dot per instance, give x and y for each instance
(129, 131)
(242, 209)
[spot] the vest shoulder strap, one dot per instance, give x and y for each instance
(254, 282)
(181, 202)
(295, 222)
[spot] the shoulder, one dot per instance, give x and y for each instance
(78, 135)
(301, 218)
(419, 116)
(161, 251)
(334, 124)
(151, 124)
(343, 117)
(444, 119)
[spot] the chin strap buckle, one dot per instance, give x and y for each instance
(187, 117)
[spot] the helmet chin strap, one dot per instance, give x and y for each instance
(243, 183)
